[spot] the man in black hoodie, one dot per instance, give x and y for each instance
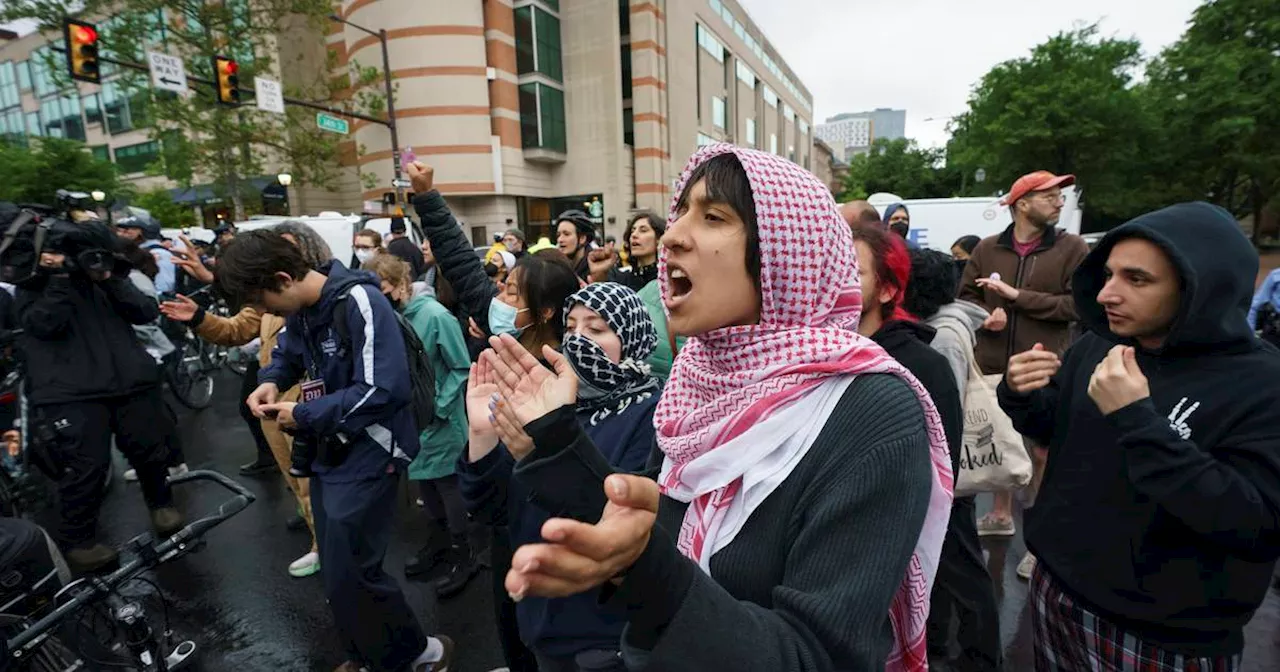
(1158, 522)
(962, 589)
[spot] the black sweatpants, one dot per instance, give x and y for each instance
(443, 502)
(354, 520)
(963, 590)
(248, 384)
(81, 454)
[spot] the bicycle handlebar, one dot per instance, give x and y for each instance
(158, 554)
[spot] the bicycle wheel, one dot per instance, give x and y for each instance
(191, 378)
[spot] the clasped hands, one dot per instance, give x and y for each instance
(509, 388)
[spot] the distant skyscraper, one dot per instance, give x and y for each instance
(853, 132)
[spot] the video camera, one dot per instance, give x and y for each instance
(87, 244)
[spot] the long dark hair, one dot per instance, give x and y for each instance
(658, 224)
(545, 280)
(140, 258)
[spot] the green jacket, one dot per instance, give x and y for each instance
(442, 338)
(660, 360)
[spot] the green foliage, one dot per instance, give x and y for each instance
(208, 143)
(35, 174)
(161, 206)
(899, 167)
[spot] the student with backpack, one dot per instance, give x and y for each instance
(343, 341)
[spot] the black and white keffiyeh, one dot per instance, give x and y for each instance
(603, 384)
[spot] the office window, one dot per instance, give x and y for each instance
(770, 97)
(24, 75)
(726, 14)
(553, 4)
(715, 5)
(101, 152)
(628, 126)
(751, 133)
(718, 112)
(773, 143)
(626, 71)
(41, 76)
(136, 158)
(704, 140)
(542, 118)
(92, 109)
(710, 44)
(789, 113)
(538, 42)
(804, 127)
(33, 124)
(123, 111)
(9, 96)
(745, 74)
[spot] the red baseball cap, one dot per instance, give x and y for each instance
(1041, 180)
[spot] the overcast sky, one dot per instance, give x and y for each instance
(924, 56)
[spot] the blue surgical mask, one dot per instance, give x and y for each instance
(502, 318)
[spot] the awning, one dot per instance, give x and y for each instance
(202, 194)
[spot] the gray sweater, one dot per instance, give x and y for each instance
(806, 585)
(957, 324)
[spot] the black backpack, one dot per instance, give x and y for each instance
(422, 378)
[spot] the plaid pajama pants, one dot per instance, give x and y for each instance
(1069, 638)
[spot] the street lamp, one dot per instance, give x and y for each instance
(285, 179)
(391, 105)
(979, 176)
(98, 195)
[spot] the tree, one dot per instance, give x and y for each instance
(201, 139)
(899, 167)
(1072, 106)
(160, 204)
(1215, 91)
(34, 174)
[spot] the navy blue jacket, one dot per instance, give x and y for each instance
(367, 386)
(564, 626)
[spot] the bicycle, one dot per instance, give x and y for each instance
(188, 370)
(50, 642)
(24, 488)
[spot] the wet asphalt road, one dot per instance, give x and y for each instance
(246, 614)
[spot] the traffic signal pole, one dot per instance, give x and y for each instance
(391, 107)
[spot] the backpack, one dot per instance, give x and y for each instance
(422, 378)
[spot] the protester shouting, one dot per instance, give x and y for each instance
(805, 471)
(1157, 524)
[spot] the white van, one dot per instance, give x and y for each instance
(937, 223)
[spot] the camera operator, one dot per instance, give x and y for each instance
(90, 378)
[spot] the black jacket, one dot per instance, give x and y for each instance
(1164, 516)
(908, 342)
(457, 260)
(78, 339)
(634, 276)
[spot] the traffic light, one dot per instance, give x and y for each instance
(82, 50)
(227, 80)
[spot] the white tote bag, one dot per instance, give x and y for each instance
(992, 458)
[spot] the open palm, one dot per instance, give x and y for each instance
(530, 388)
(480, 390)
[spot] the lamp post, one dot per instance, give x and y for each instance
(391, 107)
(285, 179)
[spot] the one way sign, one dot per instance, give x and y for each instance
(167, 72)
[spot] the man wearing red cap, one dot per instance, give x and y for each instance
(1023, 277)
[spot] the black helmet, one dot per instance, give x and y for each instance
(150, 228)
(581, 221)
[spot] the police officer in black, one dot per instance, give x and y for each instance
(89, 378)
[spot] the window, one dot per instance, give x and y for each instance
(718, 112)
(9, 96)
(542, 118)
(136, 158)
(123, 112)
(804, 127)
(92, 109)
(751, 133)
(33, 124)
(628, 127)
(553, 4)
(538, 42)
(745, 74)
(24, 76)
(715, 6)
(12, 128)
(626, 71)
(789, 113)
(624, 17)
(770, 97)
(726, 14)
(41, 76)
(704, 140)
(101, 153)
(773, 143)
(709, 43)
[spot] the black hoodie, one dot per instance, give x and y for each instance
(1164, 517)
(908, 342)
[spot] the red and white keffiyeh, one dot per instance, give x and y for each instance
(744, 404)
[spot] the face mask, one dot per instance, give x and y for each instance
(502, 318)
(364, 255)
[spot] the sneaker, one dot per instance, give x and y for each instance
(257, 468)
(305, 566)
(180, 470)
(92, 559)
(296, 524)
(429, 556)
(1026, 567)
(462, 569)
(990, 526)
(443, 664)
(167, 520)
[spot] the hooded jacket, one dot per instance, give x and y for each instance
(367, 390)
(1164, 517)
(908, 342)
(957, 324)
(442, 442)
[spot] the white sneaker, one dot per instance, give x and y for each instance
(1026, 566)
(305, 566)
(132, 474)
